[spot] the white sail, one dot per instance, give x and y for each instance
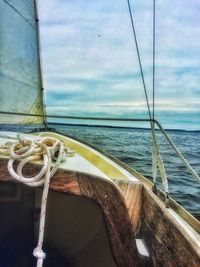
(20, 77)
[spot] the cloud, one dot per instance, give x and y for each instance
(89, 56)
(123, 109)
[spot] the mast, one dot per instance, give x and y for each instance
(41, 84)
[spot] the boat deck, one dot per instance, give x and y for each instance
(86, 159)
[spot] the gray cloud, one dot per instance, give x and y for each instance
(89, 55)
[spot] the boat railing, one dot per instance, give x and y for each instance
(156, 122)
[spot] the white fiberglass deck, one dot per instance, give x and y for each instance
(86, 159)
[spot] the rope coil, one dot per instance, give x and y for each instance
(48, 150)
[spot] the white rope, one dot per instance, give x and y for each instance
(48, 149)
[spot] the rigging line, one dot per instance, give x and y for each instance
(17, 11)
(139, 60)
(154, 50)
(157, 160)
(72, 117)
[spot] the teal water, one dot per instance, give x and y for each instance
(133, 146)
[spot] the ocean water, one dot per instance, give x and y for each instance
(133, 147)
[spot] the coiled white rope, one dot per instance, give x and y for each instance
(48, 149)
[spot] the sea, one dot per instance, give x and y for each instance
(133, 146)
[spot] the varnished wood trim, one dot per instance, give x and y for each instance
(132, 193)
(66, 182)
(169, 245)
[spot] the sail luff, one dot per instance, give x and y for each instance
(40, 62)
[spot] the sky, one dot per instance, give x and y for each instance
(90, 64)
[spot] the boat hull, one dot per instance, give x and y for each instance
(129, 208)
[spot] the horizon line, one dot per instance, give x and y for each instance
(120, 127)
